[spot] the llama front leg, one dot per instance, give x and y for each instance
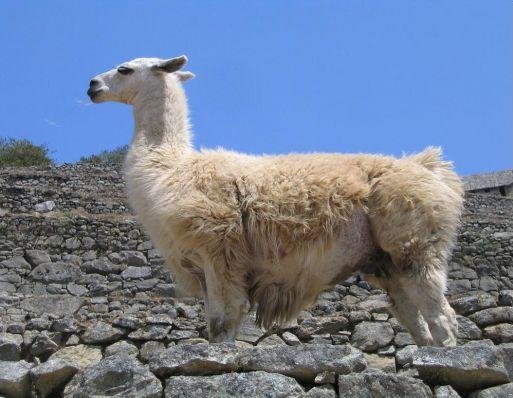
(225, 305)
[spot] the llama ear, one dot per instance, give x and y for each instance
(185, 75)
(171, 65)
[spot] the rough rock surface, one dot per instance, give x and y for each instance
(303, 362)
(465, 368)
(82, 283)
(381, 385)
(115, 376)
(252, 384)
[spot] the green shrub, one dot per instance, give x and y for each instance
(113, 157)
(21, 152)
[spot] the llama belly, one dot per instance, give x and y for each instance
(352, 249)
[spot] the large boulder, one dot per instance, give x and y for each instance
(197, 359)
(381, 385)
(58, 272)
(116, 376)
(58, 305)
(252, 384)
(466, 368)
(369, 336)
(303, 362)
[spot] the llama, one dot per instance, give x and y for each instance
(272, 232)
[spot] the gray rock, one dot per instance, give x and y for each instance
(271, 340)
(65, 325)
(506, 297)
(79, 356)
(16, 263)
(115, 376)
(44, 207)
(303, 362)
(446, 392)
(507, 353)
(102, 266)
(402, 339)
(465, 368)
(369, 336)
(57, 305)
(468, 330)
(322, 325)
(468, 303)
(58, 272)
(72, 243)
(503, 391)
(10, 346)
(325, 391)
(7, 287)
(381, 385)
(15, 379)
(404, 355)
(150, 332)
(197, 359)
(51, 376)
(290, 339)
(501, 333)
(100, 333)
(43, 345)
(149, 348)
(249, 331)
(136, 273)
(133, 258)
(177, 335)
(381, 363)
(121, 348)
(37, 257)
(491, 316)
(253, 384)
(54, 241)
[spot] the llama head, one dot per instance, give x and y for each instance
(124, 83)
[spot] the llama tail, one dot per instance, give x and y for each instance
(431, 159)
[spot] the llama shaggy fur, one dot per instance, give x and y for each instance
(275, 231)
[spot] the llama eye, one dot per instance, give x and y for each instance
(124, 70)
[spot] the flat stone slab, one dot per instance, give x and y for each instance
(252, 384)
(303, 362)
(58, 272)
(116, 376)
(58, 305)
(197, 359)
(491, 316)
(381, 385)
(79, 356)
(466, 368)
(100, 333)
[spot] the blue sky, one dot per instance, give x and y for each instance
(272, 77)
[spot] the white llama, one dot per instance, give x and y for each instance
(275, 231)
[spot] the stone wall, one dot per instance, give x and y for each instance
(87, 305)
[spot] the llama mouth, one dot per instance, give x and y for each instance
(93, 94)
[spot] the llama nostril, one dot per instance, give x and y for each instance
(93, 83)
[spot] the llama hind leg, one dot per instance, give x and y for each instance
(408, 314)
(402, 307)
(427, 293)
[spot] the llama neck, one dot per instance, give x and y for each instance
(162, 118)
